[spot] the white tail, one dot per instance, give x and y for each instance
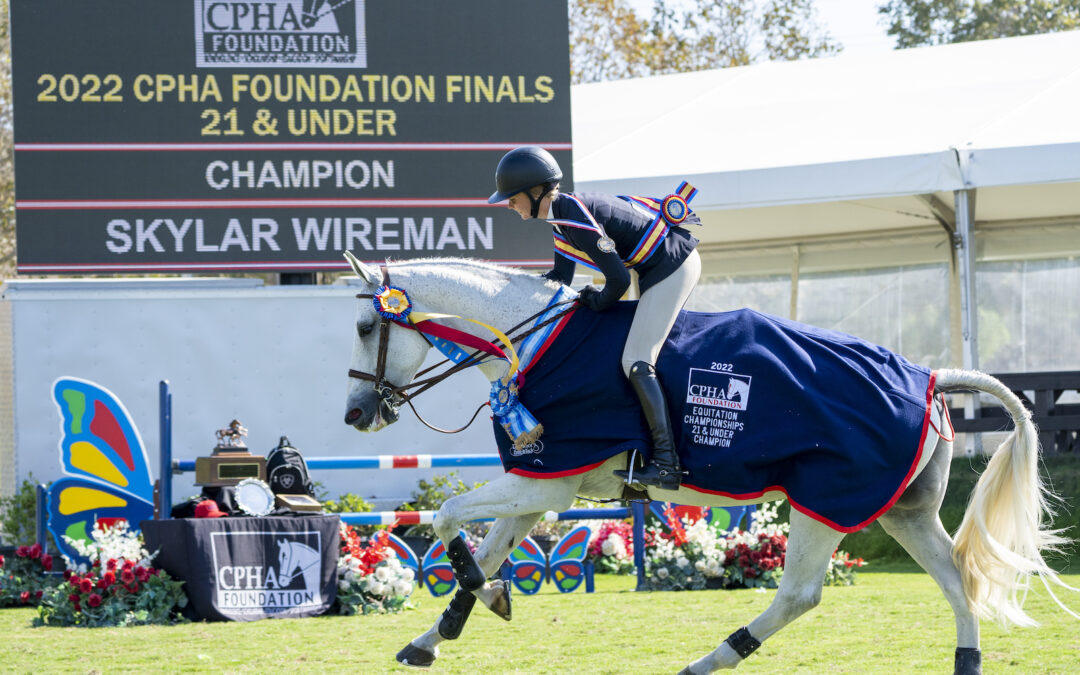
(1000, 543)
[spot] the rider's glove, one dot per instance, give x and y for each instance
(593, 298)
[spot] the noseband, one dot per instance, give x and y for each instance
(393, 395)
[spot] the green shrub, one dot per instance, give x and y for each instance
(351, 503)
(18, 514)
(1060, 471)
(430, 495)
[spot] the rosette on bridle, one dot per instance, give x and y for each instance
(392, 303)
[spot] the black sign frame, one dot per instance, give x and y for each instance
(190, 136)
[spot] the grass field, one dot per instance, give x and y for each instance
(893, 621)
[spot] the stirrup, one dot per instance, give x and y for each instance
(663, 476)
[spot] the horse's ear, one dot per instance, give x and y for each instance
(365, 272)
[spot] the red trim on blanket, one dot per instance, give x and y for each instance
(822, 519)
(557, 474)
(559, 325)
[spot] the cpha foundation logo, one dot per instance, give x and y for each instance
(718, 389)
(246, 585)
(280, 34)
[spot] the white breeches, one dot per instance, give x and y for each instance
(656, 312)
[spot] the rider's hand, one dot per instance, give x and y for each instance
(554, 275)
(593, 298)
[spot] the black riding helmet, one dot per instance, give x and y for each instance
(521, 169)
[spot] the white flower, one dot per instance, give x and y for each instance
(374, 587)
(382, 573)
(682, 562)
(608, 547)
(402, 588)
(343, 584)
(407, 574)
(700, 566)
(662, 573)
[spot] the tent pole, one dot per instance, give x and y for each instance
(969, 326)
(793, 310)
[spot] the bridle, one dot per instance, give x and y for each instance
(393, 395)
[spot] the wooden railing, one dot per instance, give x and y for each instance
(1058, 423)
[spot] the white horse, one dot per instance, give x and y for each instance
(982, 572)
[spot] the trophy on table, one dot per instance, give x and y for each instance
(230, 462)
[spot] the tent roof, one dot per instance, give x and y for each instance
(859, 136)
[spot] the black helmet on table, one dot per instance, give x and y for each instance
(521, 169)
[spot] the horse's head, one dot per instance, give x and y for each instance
(367, 408)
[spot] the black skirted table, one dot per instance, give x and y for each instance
(245, 569)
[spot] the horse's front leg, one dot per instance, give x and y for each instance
(505, 497)
(504, 537)
(517, 503)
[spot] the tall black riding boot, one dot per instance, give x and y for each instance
(663, 470)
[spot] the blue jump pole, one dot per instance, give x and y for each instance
(638, 510)
(165, 467)
(39, 504)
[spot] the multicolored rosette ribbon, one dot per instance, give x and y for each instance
(518, 422)
(392, 303)
(675, 207)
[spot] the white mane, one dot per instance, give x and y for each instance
(474, 289)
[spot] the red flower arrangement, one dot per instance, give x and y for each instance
(100, 599)
(114, 589)
(611, 549)
(24, 578)
(841, 571)
(370, 577)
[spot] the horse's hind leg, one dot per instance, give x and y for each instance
(914, 523)
(810, 546)
(504, 537)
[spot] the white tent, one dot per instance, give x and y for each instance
(861, 161)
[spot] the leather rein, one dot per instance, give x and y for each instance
(393, 395)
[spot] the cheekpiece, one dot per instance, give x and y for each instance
(674, 209)
(392, 303)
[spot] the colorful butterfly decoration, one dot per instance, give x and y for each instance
(108, 475)
(434, 571)
(565, 568)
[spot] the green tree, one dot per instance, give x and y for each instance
(918, 23)
(608, 40)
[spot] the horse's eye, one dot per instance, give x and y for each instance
(365, 329)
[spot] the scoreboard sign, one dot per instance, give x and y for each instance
(228, 136)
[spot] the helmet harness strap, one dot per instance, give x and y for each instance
(548, 187)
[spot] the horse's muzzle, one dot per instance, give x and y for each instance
(371, 415)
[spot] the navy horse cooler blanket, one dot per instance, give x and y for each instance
(758, 403)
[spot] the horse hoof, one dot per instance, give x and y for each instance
(500, 604)
(414, 656)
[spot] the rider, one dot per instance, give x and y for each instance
(606, 233)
